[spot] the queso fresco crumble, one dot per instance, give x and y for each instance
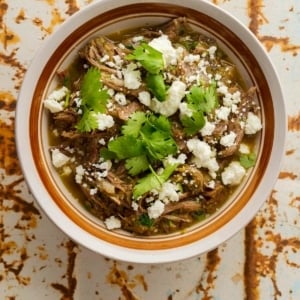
(152, 129)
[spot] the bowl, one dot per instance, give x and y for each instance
(105, 17)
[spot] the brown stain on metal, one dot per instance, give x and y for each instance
(69, 290)
(20, 17)
(12, 61)
(287, 175)
(259, 265)
(72, 7)
(7, 36)
(120, 278)
(207, 280)
(56, 19)
(294, 123)
(258, 19)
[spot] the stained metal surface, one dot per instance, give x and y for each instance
(37, 261)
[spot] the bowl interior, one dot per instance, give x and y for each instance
(132, 16)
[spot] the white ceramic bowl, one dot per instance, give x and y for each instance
(108, 16)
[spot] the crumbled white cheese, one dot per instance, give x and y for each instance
(118, 60)
(104, 121)
(132, 76)
(54, 101)
(228, 139)
(222, 113)
(212, 50)
(253, 124)
(185, 110)
(208, 128)
(136, 39)
(204, 156)
(156, 209)
(244, 149)
(134, 205)
(191, 58)
(104, 58)
(145, 98)
(164, 45)
(176, 93)
(233, 174)
(79, 174)
(121, 98)
(211, 184)
(112, 223)
(58, 158)
(168, 193)
(170, 160)
(93, 191)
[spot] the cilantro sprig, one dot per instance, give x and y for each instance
(201, 101)
(145, 138)
(153, 180)
(152, 61)
(150, 58)
(93, 100)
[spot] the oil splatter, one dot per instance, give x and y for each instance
(69, 290)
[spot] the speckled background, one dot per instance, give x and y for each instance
(38, 261)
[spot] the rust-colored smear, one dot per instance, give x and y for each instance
(12, 61)
(259, 265)
(3, 10)
(69, 290)
(294, 123)
(7, 37)
(20, 17)
(257, 19)
(120, 278)
(289, 175)
(206, 283)
(72, 7)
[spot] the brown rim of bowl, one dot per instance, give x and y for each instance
(236, 46)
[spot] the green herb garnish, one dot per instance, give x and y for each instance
(145, 220)
(201, 101)
(156, 85)
(145, 138)
(94, 100)
(153, 180)
(248, 160)
(151, 59)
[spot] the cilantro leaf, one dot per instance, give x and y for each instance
(153, 180)
(203, 98)
(134, 124)
(145, 138)
(159, 144)
(88, 121)
(200, 100)
(126, 146)
(92, 94)
(151, 59)
(194, 123)
(94, 99)
(156, 85)
(137, 164)
(248, 160)
(145, 220)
